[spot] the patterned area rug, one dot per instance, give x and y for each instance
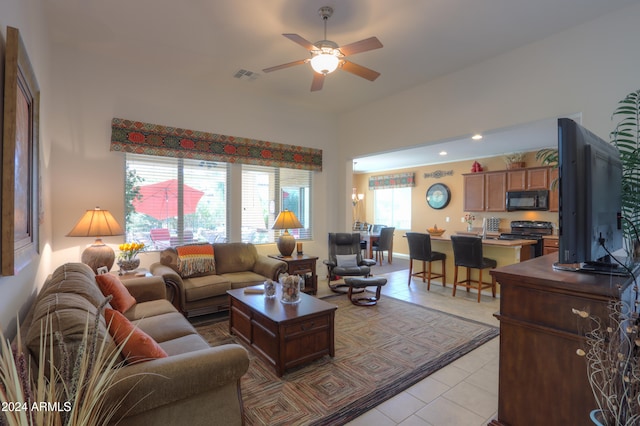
(380, 351)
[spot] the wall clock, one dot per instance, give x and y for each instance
(438, 196)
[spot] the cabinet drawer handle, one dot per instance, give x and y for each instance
(306, 327)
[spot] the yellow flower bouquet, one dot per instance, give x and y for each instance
(130, 250)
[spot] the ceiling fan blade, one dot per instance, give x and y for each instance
(360, 71)
(287, 65)
(301, 41)
(361, 46)
(318, 81)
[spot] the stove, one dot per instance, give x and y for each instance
(529, 230)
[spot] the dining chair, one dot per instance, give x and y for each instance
(384, 243)
(376, 228)
(420, 250)
(467, 252)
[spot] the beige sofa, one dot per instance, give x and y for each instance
(237, 265)
(194, 385)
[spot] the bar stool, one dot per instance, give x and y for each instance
(420, 249)
(467, 252)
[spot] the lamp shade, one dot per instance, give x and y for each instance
(286, 220)
(97, 223)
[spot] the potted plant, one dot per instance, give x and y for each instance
(611, 352)
(626, 137)
(74, 394)
(128, 258)
(515, 160)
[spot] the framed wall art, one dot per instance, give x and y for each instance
(20, 173)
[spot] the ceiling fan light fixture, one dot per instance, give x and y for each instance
(325, 61)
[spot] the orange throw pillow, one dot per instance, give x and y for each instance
(139, 346)
(111, 285)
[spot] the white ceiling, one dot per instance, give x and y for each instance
(209, 41)
(527, 137)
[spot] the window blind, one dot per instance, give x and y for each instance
(268, 190)
(186, 197)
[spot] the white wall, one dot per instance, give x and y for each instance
(16, 291)
(586, 69)
(92, 90)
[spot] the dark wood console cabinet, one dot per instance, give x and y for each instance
(542, 381)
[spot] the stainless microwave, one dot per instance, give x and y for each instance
(527, 200)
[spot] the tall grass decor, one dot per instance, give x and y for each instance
(73, 395)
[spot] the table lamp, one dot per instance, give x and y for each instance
(286, 220)
(97, 223)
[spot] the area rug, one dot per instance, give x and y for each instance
(380, 351)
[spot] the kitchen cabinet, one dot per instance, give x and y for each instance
(516, 180)
(495, 190)
(486, 191)
(550, 245)
(474, 192)
(528, 179)
(538, 178)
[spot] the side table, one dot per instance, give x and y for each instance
(136, 273)
(303, 265)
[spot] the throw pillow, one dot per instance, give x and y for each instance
(111, 285)
(347, 260)
(136, 345)
(195, 259)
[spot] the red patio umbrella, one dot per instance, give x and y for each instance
(160, 200)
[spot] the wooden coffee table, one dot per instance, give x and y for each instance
(283, 335)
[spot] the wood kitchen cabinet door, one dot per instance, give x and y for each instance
(517, 180)
(474, 192)
(495, 190)
(538, 178)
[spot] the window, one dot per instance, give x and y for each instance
(392, 207)
(161, 212)
(268, 190)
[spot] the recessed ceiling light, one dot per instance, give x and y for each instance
(443, 152)
(476, 137)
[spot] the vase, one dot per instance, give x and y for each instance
(597, 417)
(469, 227)
(129, 264)
(290, 289)
(269, 289)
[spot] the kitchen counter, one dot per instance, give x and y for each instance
(505, 252)
(491, 241)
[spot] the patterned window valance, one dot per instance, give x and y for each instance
(399, 180)
(154, 139)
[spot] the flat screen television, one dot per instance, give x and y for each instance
(590, 200)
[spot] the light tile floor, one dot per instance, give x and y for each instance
(464, 393)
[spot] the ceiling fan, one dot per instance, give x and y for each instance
(327, 56)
